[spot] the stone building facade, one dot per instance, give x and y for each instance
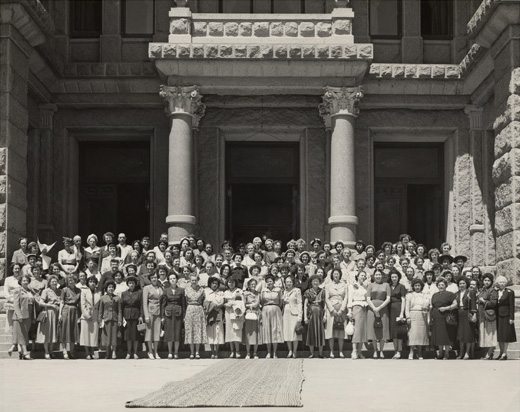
(313, 123)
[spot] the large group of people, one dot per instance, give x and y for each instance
(260, 293)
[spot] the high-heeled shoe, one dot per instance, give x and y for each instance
(503, 357)
(27, 357)
(10, 351)
(20, 355)
(47, 356)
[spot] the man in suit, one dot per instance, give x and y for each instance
(108, 237)
(108, 276)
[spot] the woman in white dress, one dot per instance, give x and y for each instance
(215, 325)
(292, 315)
(234, 323)
(335, 311)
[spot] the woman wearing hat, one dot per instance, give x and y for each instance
(152, 315)
(172, 306)
(68, 317)
(506, 333)
(417, 309)
(378, 299)
(67, 257)
(234, 323)
(336, 299)
(487, 299)
(429, 283)
(214, 298)
(292, 315)
(272, 328)
(50, 301)
(110, 318)
(93, 251)
(443, 302)
(89, 317)
(314, 305)
(252, 330)
(195, 319)
(357, 313)
(132, 311)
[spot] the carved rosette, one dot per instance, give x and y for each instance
(185, 100)
(340, 100)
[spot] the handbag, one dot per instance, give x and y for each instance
(141, 327)
(490, 315)
(298, 329)
(472, 317)
(378, 322)
(450, 319)
(250, 315)
(42, 317)
(349, 329)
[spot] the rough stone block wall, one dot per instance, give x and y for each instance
(506, 178)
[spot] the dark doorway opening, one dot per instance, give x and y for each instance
(409, 192)
(114, 188)
(262, 182)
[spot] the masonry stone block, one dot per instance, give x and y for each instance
(216, 29)
(308, 52)
(170, 50)
(508, 246)
(183, 50)
(336, 51)
(3, 219)
(502, 169)
(261, 29)
(240, 51)
(200, 28)
(514, 84)
(3, 239)
(507, 219)
(307, 29)
(3, 188)
(246, 29)
(179, 26)
(155, 50)
(231, 29)
(452, 72)
(410, 71)
(197, 51)
(291, 29)
(511, 114)
(504, 194)
(507, 138)
(266, 50)
(386, 70)
(253, 52)
(280, 51)
(365, 52)
(438, 72)
(3, 160)
(226, 50)
(211, 51)
(350, 51)
(277, 29)
(424, 72)
(322, 51)
(323, 29)
(398, 71)
(295, 52)
(342, 27)
(510, 269)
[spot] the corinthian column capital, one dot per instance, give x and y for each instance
(340, 101)
(183, 100)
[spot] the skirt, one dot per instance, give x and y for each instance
(440, 334)
(418, 332)
(487, 334)
(289, 325)
(272, 327)
(109, 334)
(505, 331)
(215, 333)
(466, 332)
(378, 333)
(315, 329)
(48, 329)
(153, 329)
(330, 332)
(88, 335)
(21, 331)
(395, 311)
(195, 325)
(172, 328)
(9, 323)
(131, 333)
(359, 314)
(69, 327)
(233, 327)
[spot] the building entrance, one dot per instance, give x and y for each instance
(114, 188)
(409, 192)
(262, 191)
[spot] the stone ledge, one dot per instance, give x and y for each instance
(415, 71)
(471, 58)
(483, 12)
(130, 69)
(260, 51)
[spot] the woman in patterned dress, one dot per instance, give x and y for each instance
(336, 299)
(195, 319)
(152, 315)
(443, 301)
(10, 286)
(215, 325)
(89, 331)
(68, 317)
(357, 312)
(487, 299)
(417, 308)
(50, 301)
(172, 306)
(272, 329)
(234, 324)
(314, 302)
(378, 299)
(252, 330)
(292, 315)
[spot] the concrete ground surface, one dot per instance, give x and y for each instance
(330, 385)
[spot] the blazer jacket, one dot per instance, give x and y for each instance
(110, 309)
(469, 301)
(132, 304)
(506, 304)
(22, 300)
(90, 304)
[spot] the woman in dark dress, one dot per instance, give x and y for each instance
(487, 303)
(68, 317)
(172, 304)
(132, 310)
(443, 301)
(466, 330)
(378, 299)
(397, 305)
(505, 317)
(314, 304)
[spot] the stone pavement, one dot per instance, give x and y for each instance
(330, 385)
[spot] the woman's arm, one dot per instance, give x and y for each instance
(305, 304)
(328, 303)
(119, 312)
(403, 303)
(299, 303)
(17, 304)
(369, 300)
(511, 306)
(101, 310)
(387, 300)
(345, 300)
(145, 305)
(84, 308)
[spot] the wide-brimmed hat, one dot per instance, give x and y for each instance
(446, 256)
(464, 258)
(314, 241)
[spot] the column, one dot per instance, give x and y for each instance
(477, 228)
(339, 111)
(185, 109)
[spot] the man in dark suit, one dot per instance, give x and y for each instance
(108, 276)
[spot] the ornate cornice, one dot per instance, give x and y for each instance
(340, 101)
(185, 100)
(415, 71)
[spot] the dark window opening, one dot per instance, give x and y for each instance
(86, 17)
(235, 6)
(288, 6)
(437, 19)
(385, 18)
(138, 17)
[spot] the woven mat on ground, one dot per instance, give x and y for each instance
(233, 383)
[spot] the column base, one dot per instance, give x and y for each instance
(343, 228)
(180, 226)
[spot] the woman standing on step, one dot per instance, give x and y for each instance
(417, 309)
(467, 317)
(314, 305)
(505, 317)
(23, 316)
(10, 286)
(132, 310)
(357, 312)
(443, 302)
(172, 306)
(252, 330)
(487, 301)
(195, 319)
(336, 299)
(68, 317)
(378, 299)
(397, 304)
(110, 318)
(89, 331)
(50, 301)
(272, 327)
(234, 323)
(292, 315)
(152, 315)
